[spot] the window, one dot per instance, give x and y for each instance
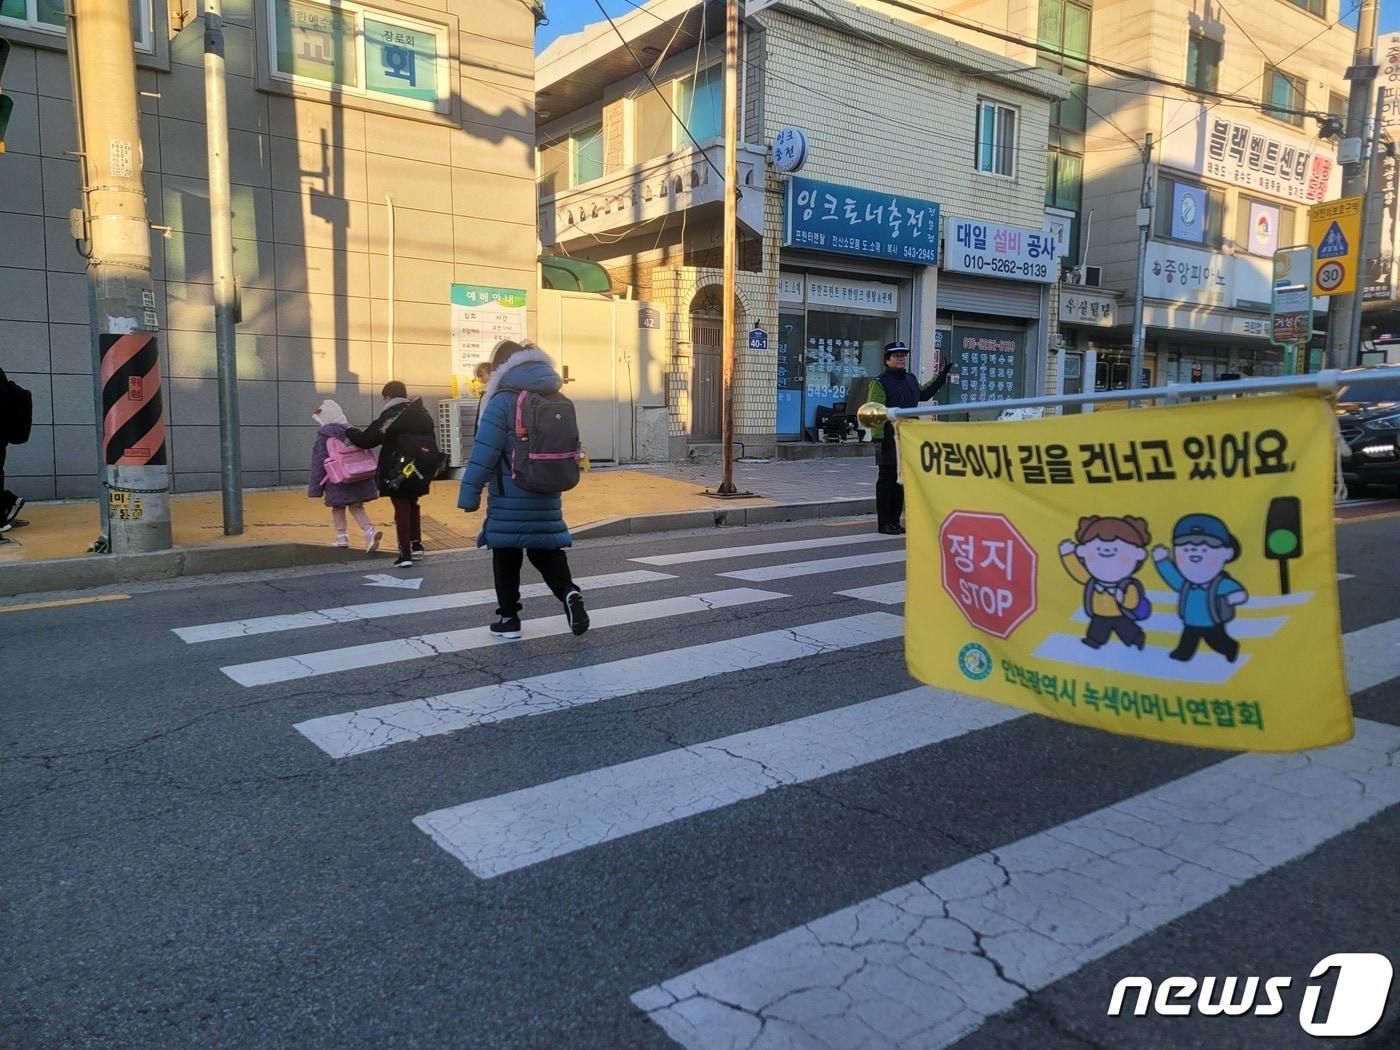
(47, 17)
(700, 103)
(1283, 93)
(588, 154)
(1203, 63)
(1262, 226)
(652, 131)
(1316, 7)
(348, 48)
(996, 139)
(553, 167)
(1337, 105)
(1064, 177)
(1189, 213)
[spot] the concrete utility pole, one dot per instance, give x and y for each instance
(1144, 221)
(221, 245)
(731, 232)
(1344, 313)
(135, 471)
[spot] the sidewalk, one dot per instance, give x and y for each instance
(285, 527)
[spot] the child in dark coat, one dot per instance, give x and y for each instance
(341, 496)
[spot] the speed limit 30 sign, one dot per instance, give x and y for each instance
(1330, 275)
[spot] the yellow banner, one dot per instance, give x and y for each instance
(1167, 573)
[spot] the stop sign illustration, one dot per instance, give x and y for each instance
(989, 570)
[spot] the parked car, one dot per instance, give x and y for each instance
(1369, 419)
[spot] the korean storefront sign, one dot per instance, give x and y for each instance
(852, 221)
(1186, 275)
(789, 288)
(1250, 153)
(1263, 229)
(1079, 306)
(992, 249)
(481, 317)
(989, 363)
(1151, 573)
(1380, 266)
(860, 295)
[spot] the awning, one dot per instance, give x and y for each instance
(574, 275)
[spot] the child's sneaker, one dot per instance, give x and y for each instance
(372, 538)
(574, 610)
(404, 562)
(342, 540)
(506, 627)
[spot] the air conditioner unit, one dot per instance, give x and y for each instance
(1093, 276)
(457, 429)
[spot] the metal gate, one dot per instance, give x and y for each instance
(706, 377)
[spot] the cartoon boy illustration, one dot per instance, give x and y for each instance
(1202, 546)
(1103, 556)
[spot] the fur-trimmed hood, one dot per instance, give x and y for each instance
(528, 369)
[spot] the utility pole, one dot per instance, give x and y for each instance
(135, 471)
(1144, 221)
(1344, 313)
(221, 244)
(731, 232)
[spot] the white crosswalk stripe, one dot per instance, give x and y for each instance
(212, 632)
(753, 549)
(397, 650)
(507, 832)
(357, 732)
(940, 955)
(884, 593)
(768, 573)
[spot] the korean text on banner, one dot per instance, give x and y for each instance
(1152, 573)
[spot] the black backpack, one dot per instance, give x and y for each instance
(18, 413)
(545, 452)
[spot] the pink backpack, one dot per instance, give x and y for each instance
(345, 462)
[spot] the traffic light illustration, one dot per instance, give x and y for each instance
(7, 103)
(1283, 535)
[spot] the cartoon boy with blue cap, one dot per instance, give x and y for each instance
(1202, 546)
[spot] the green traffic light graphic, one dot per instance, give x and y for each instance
(1283, 535)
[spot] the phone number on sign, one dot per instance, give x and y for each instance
(1006, 266)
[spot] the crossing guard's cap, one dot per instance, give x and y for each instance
(895, 348)
(1206, 529)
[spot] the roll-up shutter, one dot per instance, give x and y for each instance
(982, 295)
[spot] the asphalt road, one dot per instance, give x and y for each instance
(199, 850)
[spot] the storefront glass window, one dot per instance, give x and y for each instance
(841, 347)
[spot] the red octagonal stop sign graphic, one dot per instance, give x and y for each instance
(988, 570)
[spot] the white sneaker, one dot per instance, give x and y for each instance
(372, 538)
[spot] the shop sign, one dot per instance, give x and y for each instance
(992, 249)
(789, 150)
(1258, 327)
(1247, 153)
(859, 295)
(1263, 229)
(853, 221)
(1186, 275)
(789, 288)
(988, 363)
(1380, 267)
(1087, 308)
(1290, 308)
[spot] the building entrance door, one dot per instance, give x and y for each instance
(706, 377)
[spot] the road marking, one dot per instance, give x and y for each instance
(1372, 655)
(1344, 576)
(383, 579)
(939, 956)
(766, 573)
(211, 632)
(60, 602)
(884, 593)
(719, 553)
(496, 835)
(357, 732)
(398, 650)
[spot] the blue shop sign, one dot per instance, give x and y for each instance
(832, 218)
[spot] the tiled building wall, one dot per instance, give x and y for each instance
(311, 220)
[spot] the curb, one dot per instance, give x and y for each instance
(723, 517)
(103, 570)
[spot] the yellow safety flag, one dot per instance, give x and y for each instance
(1167, 573)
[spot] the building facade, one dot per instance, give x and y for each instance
(917, 212)
(381, 155)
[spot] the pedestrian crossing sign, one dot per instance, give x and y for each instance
(1152, 573)
(1334, 231)
(1334, 244)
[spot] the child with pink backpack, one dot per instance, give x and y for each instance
(344, 475)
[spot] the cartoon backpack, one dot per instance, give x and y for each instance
(1221, 611)
(1137, 609)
